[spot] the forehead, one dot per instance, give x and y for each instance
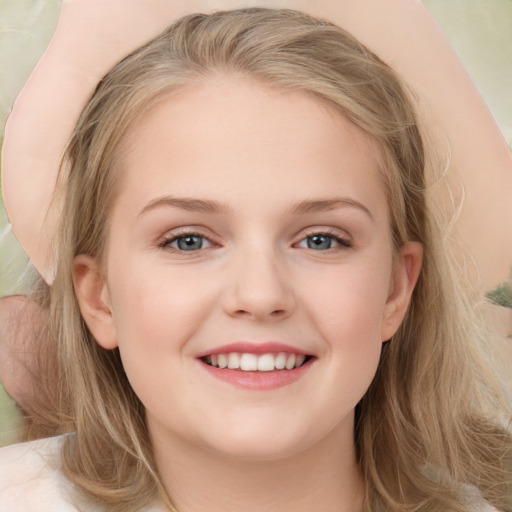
(230, 132)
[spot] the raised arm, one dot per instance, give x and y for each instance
(94, 34)
(404, 34)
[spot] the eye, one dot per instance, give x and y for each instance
(323, 242)
(187, 242)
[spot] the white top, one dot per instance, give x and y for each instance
(30, 481)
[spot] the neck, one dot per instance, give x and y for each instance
(323, 478)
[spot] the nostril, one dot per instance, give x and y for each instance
(274, 314)
(244, 302)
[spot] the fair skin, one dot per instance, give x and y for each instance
(273, 267)
(85, 46)
(17, 359)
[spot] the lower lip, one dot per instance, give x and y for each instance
(258, 381)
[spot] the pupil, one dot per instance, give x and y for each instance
(190, 243)
(319, 242)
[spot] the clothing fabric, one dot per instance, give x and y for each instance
(31, 481)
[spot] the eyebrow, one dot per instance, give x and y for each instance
(324, 205)
(188, 204)
(209, 206)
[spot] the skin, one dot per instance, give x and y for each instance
(85, 47)
(255, 279)
(17, 366)
(80, 53)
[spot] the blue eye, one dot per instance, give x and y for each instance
(319, 242)
(323, 242)
(187, 242)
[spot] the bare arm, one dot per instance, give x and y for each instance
(94, 34)
(403, 34)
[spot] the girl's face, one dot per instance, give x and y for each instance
(251, 230)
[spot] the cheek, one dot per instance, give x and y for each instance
(154, 320)
(349, 306)
(153, 308)
(348, 312)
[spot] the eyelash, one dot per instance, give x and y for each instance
(344, 243)
(167, 241)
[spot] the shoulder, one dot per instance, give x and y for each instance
(30, 479)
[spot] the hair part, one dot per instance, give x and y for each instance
(428, 424)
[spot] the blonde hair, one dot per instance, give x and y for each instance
(429, 423)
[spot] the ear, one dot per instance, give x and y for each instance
(94, 300)
(405, 275)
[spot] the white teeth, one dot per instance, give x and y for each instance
(266, 363)
(300, 360)
(280, 361)
(251, 362)
(222, 361)
(290, 361)
(233, 361)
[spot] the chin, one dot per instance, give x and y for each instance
(260, 441)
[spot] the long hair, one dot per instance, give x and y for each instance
(431, 423)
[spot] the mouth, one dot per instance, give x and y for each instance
(250, 362)
(257, 366)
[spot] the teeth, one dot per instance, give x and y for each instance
(280, 361)
(251, 362)
(248, 362)
(290, 362)
(300, 360)
(233, 361)
(266, 363)
(222, 361)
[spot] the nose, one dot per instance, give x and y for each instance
(258, 288)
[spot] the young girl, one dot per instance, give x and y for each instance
(252, 309)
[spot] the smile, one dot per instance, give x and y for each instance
(256, 367)
(248, 362)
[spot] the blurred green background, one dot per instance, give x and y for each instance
(479, 30)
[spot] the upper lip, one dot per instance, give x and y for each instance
(247, 347)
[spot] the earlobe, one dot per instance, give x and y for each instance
(93, 298)
(405, 276)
